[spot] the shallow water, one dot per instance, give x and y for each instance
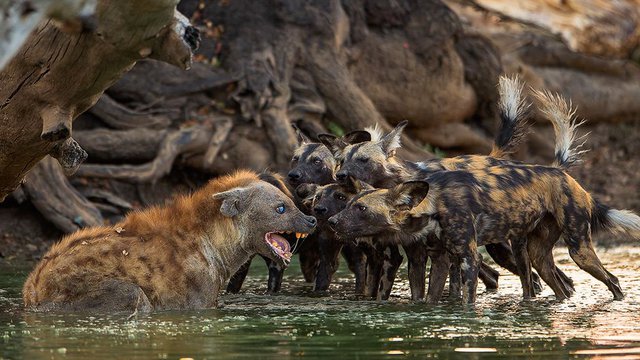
(299, 323)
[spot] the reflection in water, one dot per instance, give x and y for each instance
(297, 322)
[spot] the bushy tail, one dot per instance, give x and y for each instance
(625, 221)
(563, 117)
(514, 116)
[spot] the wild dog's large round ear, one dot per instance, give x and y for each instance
(302, 138)
(391, 141)
(334, 143)
(355, 186)
(356, 137)
(306, 190)
(230, 201)
(408, 195)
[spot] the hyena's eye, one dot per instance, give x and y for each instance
(317, 162)
(363, 160)
(340, 197)
(295, 159)
(362, 208)
(280, 209)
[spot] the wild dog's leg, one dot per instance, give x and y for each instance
(357, 262)
(417, 268)
(501, 253)
(470, 265)
(488, 275)
(236, 281)
(521, 255)
(540, 248)
(581, 251)
(329, 250)
(455, 279)
(391, 263)
(276, 272)
(438, 275)
(309, 258)
(374, 271)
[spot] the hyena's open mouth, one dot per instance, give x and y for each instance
(280, 246)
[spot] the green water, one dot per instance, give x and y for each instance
(298, 323)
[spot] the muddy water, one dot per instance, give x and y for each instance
(299, 323)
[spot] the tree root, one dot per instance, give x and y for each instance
(57, 200)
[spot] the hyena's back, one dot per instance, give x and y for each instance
(102, 269)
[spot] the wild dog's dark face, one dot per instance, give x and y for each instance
(364, 156)
(380, 211)
(311, 163)
(326, 200)
(262, 213)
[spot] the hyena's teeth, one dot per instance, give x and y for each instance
(298, 236)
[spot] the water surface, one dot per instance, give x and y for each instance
(300, 323)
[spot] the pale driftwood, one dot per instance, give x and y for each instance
(61, 71)
(598, 27)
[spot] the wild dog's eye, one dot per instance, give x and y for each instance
(340, 197)
(295, 159)
(362, 208)
(317, 162)
(280, 209)
(363, 160)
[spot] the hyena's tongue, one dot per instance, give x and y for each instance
(279, 245)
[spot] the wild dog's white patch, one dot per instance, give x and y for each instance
(375, 131)
(511, 102)
(625, 220)
(465, 265)
(563, 118)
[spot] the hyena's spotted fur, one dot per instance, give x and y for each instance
(177, 256)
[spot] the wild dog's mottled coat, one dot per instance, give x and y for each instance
(480, 206)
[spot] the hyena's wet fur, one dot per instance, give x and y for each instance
(176, 256)
(466, 209)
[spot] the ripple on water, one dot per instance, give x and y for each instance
(297, 322)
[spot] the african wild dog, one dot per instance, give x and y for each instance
(470, 208)
(177, 256)
(370, 157)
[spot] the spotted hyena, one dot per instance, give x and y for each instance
(177, 256)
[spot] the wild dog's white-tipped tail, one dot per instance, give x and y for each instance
(563, 117)
(375, 131)
(513, 116)
(624, 220)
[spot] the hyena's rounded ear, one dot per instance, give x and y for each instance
(231, 199)
(355, 186)
(356, 137)
(409, 194)
(334, 143)
(302, 138)
(306, 190)
(391, 141)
